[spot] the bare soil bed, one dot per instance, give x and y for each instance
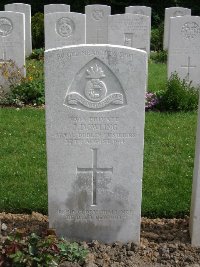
(164, 242)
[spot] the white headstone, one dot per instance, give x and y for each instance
(184, 48)
(62, 29)
(195, 203)
(172, 12)
(97, 24)
(12, 43)
(95, 97)
(129, 30)
(142, 10)
(56, 8)
(26, 10)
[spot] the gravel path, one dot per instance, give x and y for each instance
(164, 242)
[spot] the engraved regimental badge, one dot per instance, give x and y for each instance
(95, 88)
(6, 26)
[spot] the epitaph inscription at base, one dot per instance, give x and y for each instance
(95, 135)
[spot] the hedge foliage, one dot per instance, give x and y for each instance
(118, 6)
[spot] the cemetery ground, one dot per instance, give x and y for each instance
(167, 182)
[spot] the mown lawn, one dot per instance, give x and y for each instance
(168, 162)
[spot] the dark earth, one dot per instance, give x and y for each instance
(164, 242)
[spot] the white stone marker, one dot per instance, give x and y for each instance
(129, 30)
(26, 10)
(95, 97)
(172, 12)
(195, 203)
(12, 43)
(56, 8)
(142, 10)
(97, 24)
(184, 48)
(62, 29)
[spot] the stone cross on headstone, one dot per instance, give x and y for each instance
(26, 10)
(169, 13)
(95, 110)
(62, 29)
(95, 170)
(97, 24)
(195, 200)
(129, 30)
(12, 43)
(52, 8)
(184, 40)
(188, 66)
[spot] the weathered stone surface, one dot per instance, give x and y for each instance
(26, 10)
(172, 12)
(95, 97)
(12, 44)
(97, 24)
(142, 10)
(195, 203)
(129, 30)
(184, 48)
(62, 29)
(56, 8)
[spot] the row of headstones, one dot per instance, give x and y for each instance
(97, 26)
(95, 134)
(68, 28)
(95, 109)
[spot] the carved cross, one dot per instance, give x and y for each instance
(188, 67)
(94, 170)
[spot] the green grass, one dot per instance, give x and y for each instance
(157, 76)
(168, 162)
(22, 161)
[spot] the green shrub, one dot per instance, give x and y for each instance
(38, 30)
(32, 250)
(37, 54)
(23, 90)
(31, 92)
(157, 38)
(179, 95)
(159, 56)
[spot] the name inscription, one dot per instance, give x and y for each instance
(95, 130)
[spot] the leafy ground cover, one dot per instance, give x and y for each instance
(168, 162)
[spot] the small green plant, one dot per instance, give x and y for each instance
(22, 90)
(37, 54)
(179, 95)
(157, 38)
(159, 56)
(35, 251)
(37, 23)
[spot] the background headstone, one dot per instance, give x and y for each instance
(56, 8)
(63, 29)
(97, 24)
(129, 30)
(142, 10)
(12, 44)
(184, 48)
(26, 10)
(95, 96)
(195, 203)
(172, 12)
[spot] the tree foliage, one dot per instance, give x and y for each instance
(118, 6)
